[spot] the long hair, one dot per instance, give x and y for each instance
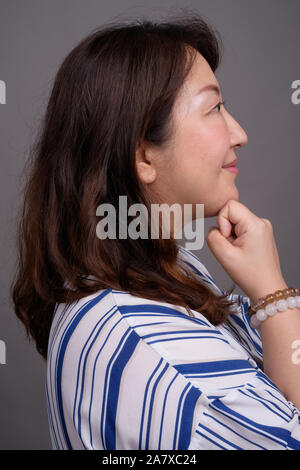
(116, 88)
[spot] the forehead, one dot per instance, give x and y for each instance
(200, 76)
(191, 93)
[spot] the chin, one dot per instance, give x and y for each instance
(212, 211)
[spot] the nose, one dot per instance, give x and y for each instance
(238, 137)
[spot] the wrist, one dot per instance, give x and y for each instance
(265, 290)
(281, 300)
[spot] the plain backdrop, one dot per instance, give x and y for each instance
(260, 62)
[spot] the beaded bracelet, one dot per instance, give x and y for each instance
(281, 300)
(279, 294)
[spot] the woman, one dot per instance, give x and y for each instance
(143, 350)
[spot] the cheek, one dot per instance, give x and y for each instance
(205, 146)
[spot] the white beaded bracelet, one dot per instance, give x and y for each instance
(272, 308)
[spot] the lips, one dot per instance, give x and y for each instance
(231, 164)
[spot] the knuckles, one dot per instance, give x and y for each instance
(268, 223)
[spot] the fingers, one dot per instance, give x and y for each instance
(218, 244)
(268, 223)
(235, 214)
(225, 225)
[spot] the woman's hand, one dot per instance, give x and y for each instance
(244, 245)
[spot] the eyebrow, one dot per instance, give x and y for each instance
(210, 87)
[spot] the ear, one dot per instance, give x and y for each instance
(145, 165)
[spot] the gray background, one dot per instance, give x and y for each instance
(260, 62)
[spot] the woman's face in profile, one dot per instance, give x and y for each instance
(189, 169)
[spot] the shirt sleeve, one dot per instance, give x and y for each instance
(170, 410)
(152, 404)
(239, 325)
(252, 417)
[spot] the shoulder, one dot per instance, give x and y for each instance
(113, 312)
(106, 318)
(107, 303)
(118, 324)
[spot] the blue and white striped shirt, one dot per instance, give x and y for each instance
(125, 372)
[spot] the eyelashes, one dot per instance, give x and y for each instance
(219, 105)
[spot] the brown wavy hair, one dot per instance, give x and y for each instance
(116, 88)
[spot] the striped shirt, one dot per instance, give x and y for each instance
(125, 372)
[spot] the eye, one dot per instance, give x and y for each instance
(219, 106)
